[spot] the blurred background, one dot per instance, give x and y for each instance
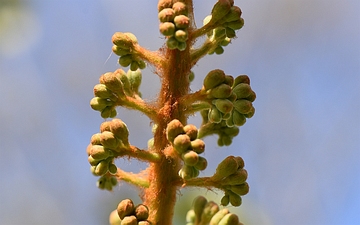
(301, 149)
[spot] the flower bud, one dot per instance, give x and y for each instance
(105, 126)
(191, 76)
(230, 33)
(172, 43)
(95, 139)
(241, 79)
(218, 216)
(93, 162)
(252, 96)
(207, 19)
(214, 78)
(219, 34)
(190, 216)
(243, 106)
(114, 218)
(233, 15)
(181, 22)
(223, 105)
(230, 121)
(240, 189)
(211, 208)
(112, 168)
(199, 205)
(188, 172)
(225, 42)
(201, 164)
(242, 90)
(112, 82)
(221, 91)
(108, 112)
(225, 140)
(100, 90)
(181, 46)
(251, 113)
(124, 40)
(181, 35)
(191, 131)
(129, 220)
(98, 152)
(142, 64)
(198, 146)
(240, 162)
(101, 182)
(173, 129)
(225, 200)
(190, 158)
(229, 219)
(120, 51)
(108, 140)
(214, 115)
(125, 60)
(231, 131)
(99, 104)
(162, 4)
(180, 8)
(219, 50)
(226, 167)
(125, 208)
(167, 28)
(220, 9)
(120, 130)
(148, 223)
(101, 168)
(235, 25)
(134, 78)
(134, 66)
(238, 118)
(166, 15)
(239, 177)
(141, 212)
(182, 143)
(235, 199)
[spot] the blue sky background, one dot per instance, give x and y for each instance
(301, 149)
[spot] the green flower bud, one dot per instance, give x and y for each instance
(233, 15)
(134, 66)
(219, 50)
(108, 140)
(230, 33)
(181, 22)
(172, 43)
(235, 199)
(225, 168)
(188, 172)
(191, 76)
(112, 168)
(214, 78)
(112, 82)
(100, 104)
(211, 208)
(240, 162)
(239, 177)
(101, 168)
(120, 130)
(100, 90)
(223, 105)
(221, 91)
(141, 212)
(231, 131)
(101, 182)
(180, 8)
(167, 28)
(225, 140)
(219, 34)
(162, 4)
(120, 51)
(93, 162)
(150, 143)
(181, 46)
(173, 129)
(108, 112)
(190, 216)
(134, 78)
(241, 79)
(129, 220)
(147, 223)
(229, 219)
(121, 75)
(218, 216)
(251, 113)
(166, 15)
(242, 90)
(225, 200)
(201, 164)
(125, 60)
(95, 139)
(98, 152)
(105, 126)
(142, 64)
(113, 181)
(124, 40)
(238, 118)
(225, 42)
(114, 218)
(241, 189)
(191, 131)
(252, 96)
(214, 115)
(227, 115)
(235, 25)
(220, 9)
(182, 143)
(198, 146)
(243, 106)
(207, 19)
(125, 208)
(190, 158)
(181, 35)
(199, 206)
(230, 121)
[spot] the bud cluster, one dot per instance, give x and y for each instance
(188, 146)
(113, 86)
(204, 212)
(174, 22)
(124, 47)
(232, 176)
(231, 103)
(130, 214)
(104, 146)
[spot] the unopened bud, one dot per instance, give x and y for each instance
(172, 43)
(211, 208)
(112, 168)
(188, 172)
(241, 79)
(125, 60)
(98, 152)
(220, 9)
(100, 90)
(99, 104)
(242, 90)
(125, 208)
(108, 112)
(129, 220)
(243, 106)
(230, 33)
(199, 205)
(180, 8)
(162, 4)
(141, 212)
(166, 15)
(181, 35)
(221, 91)
(114, 218)
(182, 143)
(233, 15)
(173, 129)
(239, 177)
(120, 130)
(190, 158)
(238, 118)
(108, 140)
(181, 22)
(218, 216)
(240, 189)
(134, 78)
(214, 115)
(167, 28)
(235, 25)
(214, 78)
(112, 82)
(124, 40)
(198, 146)
(201, 164)
(226, 167)
(225, 200)
(229, 219)
(101, 168)
(191, 131)
(223, 105)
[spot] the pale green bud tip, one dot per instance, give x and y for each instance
(114, 218)
(191, 131)
(198, 146)
(125, 208)
(173, 129)
(213, 79)
(190, 158)
(218, 216)
(167, 29)
(180, 8)
(100, 104)
(124, 40)
(220, 9)
(201, 164)
(210, 210)
(240, 189)
(166, 15)
(181, 35)
(199, 205)
(181, 22)
(223, 105)
(182, 143)
(221, 91)
(108, 140)
(98, 152)
(190, 216)
(129, 220)
(141, 212)
(229, 219)
(227, 167)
